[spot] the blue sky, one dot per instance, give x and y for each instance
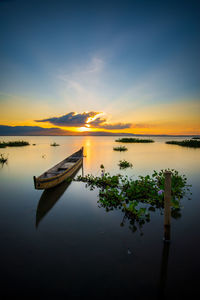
(120, 57)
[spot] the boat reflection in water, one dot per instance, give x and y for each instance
(50, 196)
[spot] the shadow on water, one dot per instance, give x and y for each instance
(48, 200)
(50, 196)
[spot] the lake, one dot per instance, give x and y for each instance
(72, 248)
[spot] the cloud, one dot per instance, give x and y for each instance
(116, 126)
(95, 66)
(71, 119)
(91, 118)
(101, 123)
(143, 125)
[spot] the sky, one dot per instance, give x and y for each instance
(107, 66)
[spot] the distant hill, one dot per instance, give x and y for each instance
(40, 131)
(36, 130)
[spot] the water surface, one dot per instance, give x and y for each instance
(61, 244)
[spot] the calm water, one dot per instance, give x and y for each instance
(61, 245)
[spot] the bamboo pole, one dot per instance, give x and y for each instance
(167, 206)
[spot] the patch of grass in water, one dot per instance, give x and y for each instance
(13, 144)
(196, 138)
(123, 164)
(186, 143)
(54, 144)
(3, 159)
(137, 198)
(134, 140)
(3, 145)
(120, 148)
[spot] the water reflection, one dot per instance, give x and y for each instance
(134, 223)
(49, 198)
(163, 271)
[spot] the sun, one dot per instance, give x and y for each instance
(84, 129)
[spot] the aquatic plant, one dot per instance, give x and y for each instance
(134, 140)
(2, 145)
(54, 144)
(120, 148)
(123, 164)
(136, 198)
(196, 138)
(3, 159)
(13, 144)
(186, 143)
(102, 182)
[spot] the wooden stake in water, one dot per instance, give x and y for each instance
(167, 206)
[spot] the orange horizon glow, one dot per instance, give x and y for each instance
(171, 119)
(162, 129)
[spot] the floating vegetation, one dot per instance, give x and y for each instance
(3, 145)
(196, 138)
(3, 159)
(54, 144)
(33, 144)
(123, 164)
(186, 143)
(13, 144)
(120, 148)
(137, 198)
(134, 140)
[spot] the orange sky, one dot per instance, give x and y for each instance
(173, 118)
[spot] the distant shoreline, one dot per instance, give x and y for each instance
(105, 135)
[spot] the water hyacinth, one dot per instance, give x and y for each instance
(124, 164)
(160, 192)
(13, 144)
(137, 198)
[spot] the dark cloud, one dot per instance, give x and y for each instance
(115, 126)
(97, 122)
(79, 120)
(71, 119)
(101, 123)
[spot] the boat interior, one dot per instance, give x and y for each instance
(61, 167)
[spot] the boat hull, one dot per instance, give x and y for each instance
(46, 183)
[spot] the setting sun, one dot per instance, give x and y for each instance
(81, 129)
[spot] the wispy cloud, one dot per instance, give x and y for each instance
(81, 83)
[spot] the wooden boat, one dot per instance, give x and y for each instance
(60, 172)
